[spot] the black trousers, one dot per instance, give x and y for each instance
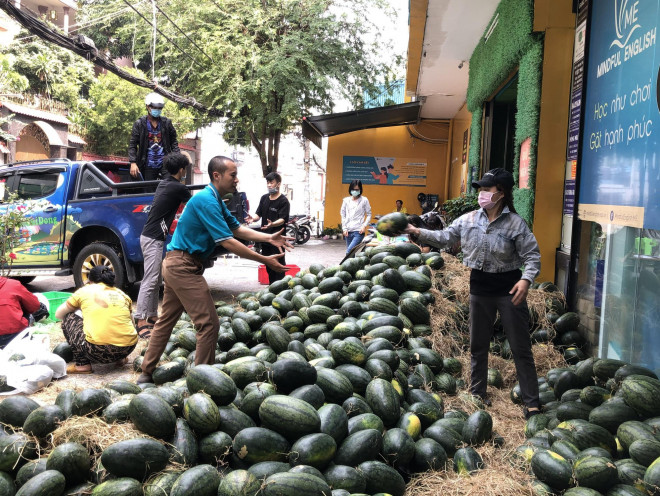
(266, 250)
(515, 320)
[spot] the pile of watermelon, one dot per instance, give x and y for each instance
(324, 383)
(599, 433)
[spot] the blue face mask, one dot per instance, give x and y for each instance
(155, 113)
(355, 193)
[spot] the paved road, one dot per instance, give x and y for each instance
(231, 276)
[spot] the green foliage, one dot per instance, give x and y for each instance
(456, 207)
(527, 124)
(512, 45)
(494, 60)
(13, 216)
(273, 61)
(10, 82)
(115, 104)
(52, 71)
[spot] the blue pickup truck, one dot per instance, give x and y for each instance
(81, 214)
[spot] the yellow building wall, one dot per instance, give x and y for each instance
(556, 19)
(384, 142)
(458, 166)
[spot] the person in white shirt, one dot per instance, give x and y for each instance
(355, 215)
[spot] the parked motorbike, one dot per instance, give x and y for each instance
(300, 228)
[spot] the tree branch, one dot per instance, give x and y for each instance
(40, 29)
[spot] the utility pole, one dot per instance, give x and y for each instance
(306, 167)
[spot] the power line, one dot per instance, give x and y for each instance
(159, 31)
(89, 23)
(182, 32)
(43, 31)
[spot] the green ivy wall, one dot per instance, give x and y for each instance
(511, 47)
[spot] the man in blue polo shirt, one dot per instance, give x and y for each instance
(204, 223)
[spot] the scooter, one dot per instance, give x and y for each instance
(299, 227)
(304, 225)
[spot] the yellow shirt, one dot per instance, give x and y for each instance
(403, 210)
(106, 314)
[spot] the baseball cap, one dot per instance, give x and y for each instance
(494, 177)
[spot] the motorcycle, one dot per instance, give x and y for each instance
(300, 228)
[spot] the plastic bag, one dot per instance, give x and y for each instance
(33, 366)
(25, 379)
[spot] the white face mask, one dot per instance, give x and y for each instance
(355, 193)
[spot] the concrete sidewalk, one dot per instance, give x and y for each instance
(229, 276)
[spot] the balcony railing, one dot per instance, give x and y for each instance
(37, 101)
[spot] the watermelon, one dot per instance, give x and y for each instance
(595, 472)
(201, 413)
(15, 450)
(43, 420)
(552, 469)
(136, 458)
(152, 415)
(642, 393)
(71, 460)
(346, 478)
(288, 374)
(478, 428)
(47, 483)
(392, 224)
(202, 480)
(289, 416)
(359, 447)
(238, 483)
(429, 455)
(258, 444)
(14, 410)
(467, 461)
(316, 450)
(215, 383)
(289, 483)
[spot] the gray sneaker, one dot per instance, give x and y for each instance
(144, 379)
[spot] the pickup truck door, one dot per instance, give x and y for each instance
(42, 191)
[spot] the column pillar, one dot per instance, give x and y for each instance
(65, 21)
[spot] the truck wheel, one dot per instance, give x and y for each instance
(98, 254)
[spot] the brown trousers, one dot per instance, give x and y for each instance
(185, 289)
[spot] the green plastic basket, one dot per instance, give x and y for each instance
(55, 299)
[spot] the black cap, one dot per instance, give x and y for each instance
(494, 177)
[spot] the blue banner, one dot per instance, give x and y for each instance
(384, 170)
(620, 166)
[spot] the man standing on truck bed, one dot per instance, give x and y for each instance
(204, 223)
(170, 194)
(152, 138)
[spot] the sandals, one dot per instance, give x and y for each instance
(73, 369)
(529, 413)
(144, 331)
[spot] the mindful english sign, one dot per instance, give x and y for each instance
(620, 162)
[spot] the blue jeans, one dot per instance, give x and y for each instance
(353, 239)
